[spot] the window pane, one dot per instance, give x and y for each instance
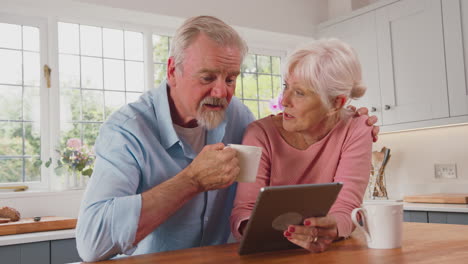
(32, 139)
(249, 83)
(31, 38)
(13, 41)
(114, 75)
(238, 91)
(276, 65)
(159, 74)
(253, 106)
(264, 64)
(69, 130)
(134, 76)
(160, 49)
(132, 97)
(12, 169)
(113, 41)
(11, 138)
(69, 38)
(32, 167)
(265, 109)
(133, 46)
(10, 102)
(31, 104)
(93, 104)
(91, 73)
(10, 67)
(90, 41)
(69, 71)
(277, 86)
(32, 68)
(70, 105)
(249, 64)
(90, 133)
(114, 100)
(264, 86)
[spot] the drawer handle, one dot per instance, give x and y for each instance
(387, 107)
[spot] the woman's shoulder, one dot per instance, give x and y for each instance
(356, 126)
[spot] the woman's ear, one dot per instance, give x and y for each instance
(337, 104)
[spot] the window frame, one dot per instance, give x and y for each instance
(41, 24)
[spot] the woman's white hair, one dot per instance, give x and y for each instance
(329, 67)
(214, 28)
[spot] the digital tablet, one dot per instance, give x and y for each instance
(277, 207)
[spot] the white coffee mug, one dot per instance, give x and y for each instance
(249, 159)
(382, 224)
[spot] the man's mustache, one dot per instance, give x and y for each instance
(214, 101)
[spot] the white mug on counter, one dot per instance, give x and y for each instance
(382, 224)
(249, 159)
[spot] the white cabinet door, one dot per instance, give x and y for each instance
(359, 32)
(412, 63)
(455, 15)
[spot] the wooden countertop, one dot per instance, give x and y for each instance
(422, 243)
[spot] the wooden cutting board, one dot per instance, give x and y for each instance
(449, 198)
(27, 225)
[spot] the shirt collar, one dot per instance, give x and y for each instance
(168, 136)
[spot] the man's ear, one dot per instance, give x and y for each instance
(337, 104)
(171, 71)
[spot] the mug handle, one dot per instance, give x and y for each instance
(364, 223)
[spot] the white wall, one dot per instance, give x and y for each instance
(414, 153)
(295, 17)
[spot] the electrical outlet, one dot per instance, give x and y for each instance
(445, 171)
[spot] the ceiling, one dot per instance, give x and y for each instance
(296, 17)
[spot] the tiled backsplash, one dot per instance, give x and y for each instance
(414, 153)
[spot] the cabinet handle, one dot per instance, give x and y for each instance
(373, 109)
(387, 107)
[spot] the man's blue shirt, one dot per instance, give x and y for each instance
(137, 149)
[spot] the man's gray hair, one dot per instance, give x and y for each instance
(214, 28)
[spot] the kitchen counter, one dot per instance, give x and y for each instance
(36, 237)
(453, 208)
(422, 243)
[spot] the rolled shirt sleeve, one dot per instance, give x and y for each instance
(110, 210)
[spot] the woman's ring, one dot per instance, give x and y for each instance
(315, 239)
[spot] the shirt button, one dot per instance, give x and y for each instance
(206, 218)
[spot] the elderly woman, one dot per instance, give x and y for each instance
(314, 140)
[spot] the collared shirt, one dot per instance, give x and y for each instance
(137, 149)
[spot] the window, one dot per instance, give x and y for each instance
(101, 69)
(259, 82)
(20, 103)
(161, 45)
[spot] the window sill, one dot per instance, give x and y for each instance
(38, 193)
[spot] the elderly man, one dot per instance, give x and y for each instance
(162, 178)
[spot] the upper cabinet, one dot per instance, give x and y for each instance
(413, 58)
(455, 14)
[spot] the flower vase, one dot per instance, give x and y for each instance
(73, 181)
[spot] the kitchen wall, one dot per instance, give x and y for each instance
(414, 153)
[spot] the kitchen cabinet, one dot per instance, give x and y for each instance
(455, 21)
(45, 252)
(414, 59)
(436, 217)
(411, 61)
(360, 33)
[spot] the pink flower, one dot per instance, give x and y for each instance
(74, 143)
(275, 103)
